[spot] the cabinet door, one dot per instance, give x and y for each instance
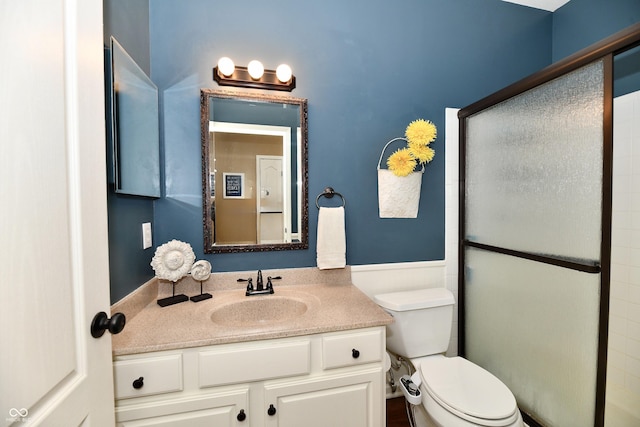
(351, 399)
(219, 417)
(218, 409)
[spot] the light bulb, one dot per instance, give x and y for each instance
(255, 69)
(226, 66)
(283, 72)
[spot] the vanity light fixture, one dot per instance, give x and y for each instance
(226, 66)
(254, 76)
(284, 73)
(256, 69)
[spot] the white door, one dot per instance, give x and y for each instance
(53, 215)
(270, 175)
(272, 212)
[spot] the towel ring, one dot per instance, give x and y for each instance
(329, 193)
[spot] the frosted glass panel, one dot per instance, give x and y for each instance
(535, 326)
(534, 169)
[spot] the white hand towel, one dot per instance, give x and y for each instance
(331, 245)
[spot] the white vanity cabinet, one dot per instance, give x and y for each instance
(321, 380)
(342, 399)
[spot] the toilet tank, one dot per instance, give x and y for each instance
(422, 321)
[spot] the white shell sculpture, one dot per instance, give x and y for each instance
(173, 260)
(201, 270)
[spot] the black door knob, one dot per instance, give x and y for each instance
(241, 416)
(355, 353)
(272, 410)
(101, 323)
(138, 383)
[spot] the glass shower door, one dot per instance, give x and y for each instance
(532, 229)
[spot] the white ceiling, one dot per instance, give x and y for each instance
(550, 5)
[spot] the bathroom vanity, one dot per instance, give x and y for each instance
(219, 363)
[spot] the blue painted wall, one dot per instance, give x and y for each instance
(368, 68)
(581, 23)
(626, 71)
(128, 22)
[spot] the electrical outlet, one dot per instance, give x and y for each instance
(147, 239)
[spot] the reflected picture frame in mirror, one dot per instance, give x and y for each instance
(235, 126)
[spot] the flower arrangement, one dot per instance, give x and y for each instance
(419, 134)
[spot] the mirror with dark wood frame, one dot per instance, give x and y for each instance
(254, 171)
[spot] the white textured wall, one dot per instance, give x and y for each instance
(623, 375)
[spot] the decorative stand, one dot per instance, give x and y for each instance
(201, 297)
(175, 299)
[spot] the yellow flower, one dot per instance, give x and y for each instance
(401, 163)
(421, 132)
(422, 152)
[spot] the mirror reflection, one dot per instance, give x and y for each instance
(134, 119)
(254, 166)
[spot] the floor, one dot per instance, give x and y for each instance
(396, 413)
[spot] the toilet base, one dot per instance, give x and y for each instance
(422, 419)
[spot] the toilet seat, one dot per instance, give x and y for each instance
(468, 391)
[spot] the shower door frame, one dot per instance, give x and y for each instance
(605, 51)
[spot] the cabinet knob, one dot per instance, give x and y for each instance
(355, 353)
(137, 384)
(272, 410)
(101, 323)
(241, 415)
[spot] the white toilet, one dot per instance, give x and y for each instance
(455, 392)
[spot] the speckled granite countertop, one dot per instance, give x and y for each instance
(333, 304)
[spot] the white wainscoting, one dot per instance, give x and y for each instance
(375, 279)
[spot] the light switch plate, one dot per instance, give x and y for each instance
(147, 239)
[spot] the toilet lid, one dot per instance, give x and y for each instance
(467, 388)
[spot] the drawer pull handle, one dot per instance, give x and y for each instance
(241, 416)
(137, 384)
(272, 410)
(355, 353)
